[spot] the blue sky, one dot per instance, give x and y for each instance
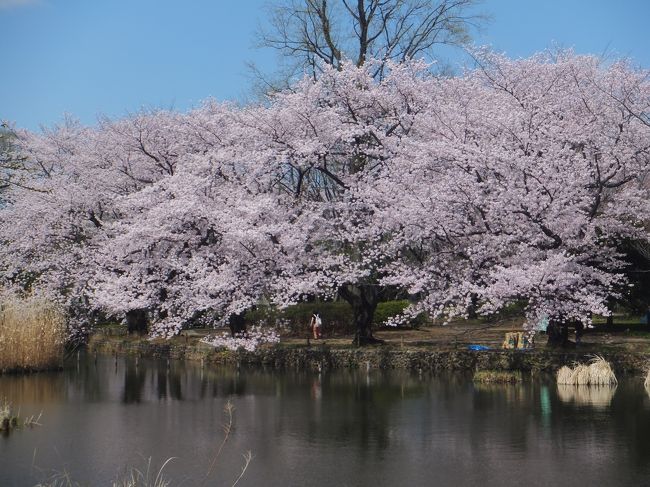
(91, 57)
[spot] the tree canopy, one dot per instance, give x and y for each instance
(516, 181)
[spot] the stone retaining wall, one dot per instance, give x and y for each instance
(383, 357)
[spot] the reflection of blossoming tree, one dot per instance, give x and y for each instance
(513, 182)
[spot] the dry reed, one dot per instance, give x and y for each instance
(581, 375)
(144, 478)
(149, 477)
(32, 335)
(601, 373)
(565, 375)
(598, 373)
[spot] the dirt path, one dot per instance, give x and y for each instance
(459, 335)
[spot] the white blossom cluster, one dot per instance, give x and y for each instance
(250, 340)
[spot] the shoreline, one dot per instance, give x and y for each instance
(323, 356)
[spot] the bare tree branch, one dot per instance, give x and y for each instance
(309, 33)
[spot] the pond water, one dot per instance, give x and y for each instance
(344, 428)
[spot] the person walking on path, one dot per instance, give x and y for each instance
(316, 325)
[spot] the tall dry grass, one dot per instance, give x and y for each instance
(565, 375)
(598, 373)
(32, 335)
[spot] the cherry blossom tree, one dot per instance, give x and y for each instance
(326, 143)
(539, 166)
(514, 182)
(70, 180)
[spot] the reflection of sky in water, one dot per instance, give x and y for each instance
(335, 428)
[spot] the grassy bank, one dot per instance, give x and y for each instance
(32, 335)
(498, 376)
(427, 347)
(338, 354)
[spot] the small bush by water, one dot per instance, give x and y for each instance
(498, 376)
(32, 335)
(598, 373)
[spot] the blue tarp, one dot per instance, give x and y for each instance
(477, 347)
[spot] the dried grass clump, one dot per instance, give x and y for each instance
(144, 478)
(601, 373)
(565, 375)
(32, 335)
(598, 373)
(581, 375)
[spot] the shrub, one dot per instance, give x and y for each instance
(498, 376)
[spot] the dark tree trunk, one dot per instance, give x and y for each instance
(136, 321)
(363, 299)
(237, 323)
(558, 334)
(471, 312)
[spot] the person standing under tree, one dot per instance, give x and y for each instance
(316, 325)
(580, 329)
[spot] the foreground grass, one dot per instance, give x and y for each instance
(32, 335)
(150, 476)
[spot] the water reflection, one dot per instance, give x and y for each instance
(582, 395)
(43, 388)
(336, 427)
(134, 383)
